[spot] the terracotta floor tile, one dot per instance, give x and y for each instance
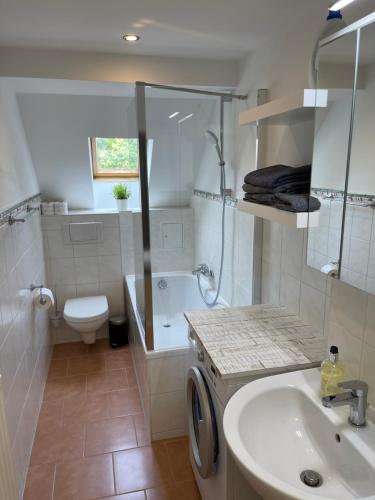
(50, 413)
(118, 359)
(58, 444)
(85, 408)
(132, 380)
(65, 387)
(69, 349)
(101, 345)
(107, 381)
(86, 364)
(124, 402)
(138, 495)
(141, 468)
(84, 479)
(179, 491)
(108, 435)
(143, 438)
(39, 483)
(58, 368)
(178, 455)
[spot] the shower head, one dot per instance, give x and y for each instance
(212, 137)
(215, 142)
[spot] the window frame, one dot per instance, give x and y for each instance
(108, 175)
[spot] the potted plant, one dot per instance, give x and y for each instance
(121, 193)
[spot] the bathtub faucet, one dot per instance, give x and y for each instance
(204, 270)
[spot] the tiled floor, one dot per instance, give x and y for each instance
(91, 441)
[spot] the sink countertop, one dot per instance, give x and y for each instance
(260, 339)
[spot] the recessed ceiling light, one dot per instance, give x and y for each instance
(131, 38)
(340, 4)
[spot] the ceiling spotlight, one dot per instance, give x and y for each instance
(340, 4)
(131, 38)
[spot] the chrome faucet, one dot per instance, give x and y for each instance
(204, 270)
(356, 398)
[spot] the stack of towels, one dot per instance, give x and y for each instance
(283, 187)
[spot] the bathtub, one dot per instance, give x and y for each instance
(173, 293)
(161, 374)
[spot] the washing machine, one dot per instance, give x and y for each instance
(216, 474)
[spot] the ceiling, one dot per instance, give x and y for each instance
(216, 29)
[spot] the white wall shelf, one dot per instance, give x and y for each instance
(294, 108)
(298, 220)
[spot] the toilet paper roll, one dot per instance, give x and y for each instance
(43, 298)
(331, 269)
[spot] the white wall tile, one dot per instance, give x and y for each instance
(109, 268)
(348, 308)
(24, 336)
(368, 371)
(291, 252)
(166, 374)
(290, 292)
(168, 411)
(312, 307)
(86, 270)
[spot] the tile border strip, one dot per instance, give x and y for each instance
(29, 205)
(207, 195)
(363, 200)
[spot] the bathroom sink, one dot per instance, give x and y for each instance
(276, 428)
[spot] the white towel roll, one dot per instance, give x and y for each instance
(43, 298)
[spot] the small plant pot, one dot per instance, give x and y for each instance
(122, 205)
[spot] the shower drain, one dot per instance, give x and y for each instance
(311, 478)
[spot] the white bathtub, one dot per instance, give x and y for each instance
(169, 304)
(161, 373)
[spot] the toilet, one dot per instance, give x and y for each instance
(86, 315)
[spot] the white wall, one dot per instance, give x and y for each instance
(60, 148)
(17, 175)
(75, 65)
(59, 144)
(344, 314)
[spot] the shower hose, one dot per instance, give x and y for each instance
(214, 301)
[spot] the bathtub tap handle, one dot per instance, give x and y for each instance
(204, 270)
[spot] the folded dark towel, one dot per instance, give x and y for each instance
(297, 202)
(277, 175)
(287, 202)
(263, 199)
(301, 186)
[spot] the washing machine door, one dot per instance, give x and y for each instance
(201, 423)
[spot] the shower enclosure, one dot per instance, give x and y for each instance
(178, 238)
(173, 236)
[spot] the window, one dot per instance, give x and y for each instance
(114, 157)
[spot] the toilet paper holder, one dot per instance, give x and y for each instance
(35, 287)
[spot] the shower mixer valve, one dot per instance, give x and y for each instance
(204, 270)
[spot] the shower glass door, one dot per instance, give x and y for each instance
(183, 206)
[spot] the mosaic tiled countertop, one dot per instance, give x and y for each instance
(252, 339)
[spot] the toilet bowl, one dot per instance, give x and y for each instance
(86, 315)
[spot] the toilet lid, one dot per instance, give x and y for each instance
(86, 308)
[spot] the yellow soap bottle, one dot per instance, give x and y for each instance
(332, 372)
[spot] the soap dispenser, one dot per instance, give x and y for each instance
(332, 372)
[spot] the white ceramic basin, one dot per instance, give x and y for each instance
(276, 427)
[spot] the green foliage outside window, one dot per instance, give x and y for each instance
(116, 155)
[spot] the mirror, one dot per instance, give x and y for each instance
(336, 70)
(358, 252)
(343, 168)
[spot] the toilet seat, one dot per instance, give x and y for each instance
(85, 309)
